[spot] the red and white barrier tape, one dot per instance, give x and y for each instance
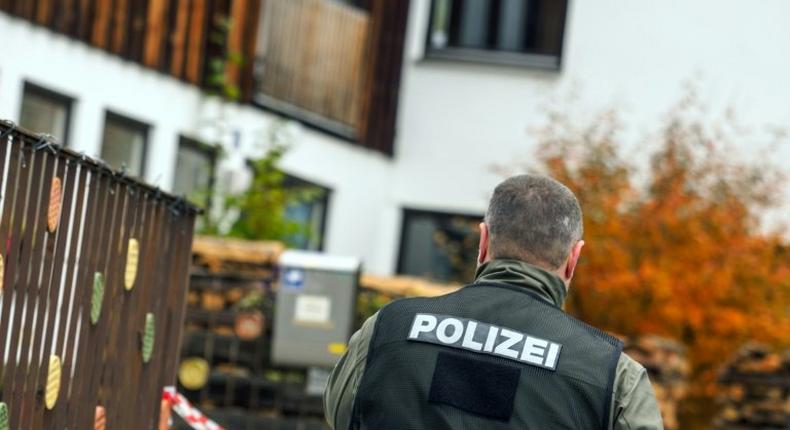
(189, 413)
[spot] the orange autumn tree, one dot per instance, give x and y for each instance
(674, 249)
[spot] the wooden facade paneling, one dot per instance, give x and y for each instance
(382, 77)
(166, 35)
(196, 40)
(237, 35)
(155, 36)
(101, 23)
(85, 15)
(311, 54)
(178, 38)
(328, 64)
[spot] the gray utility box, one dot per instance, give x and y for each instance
(314, 308)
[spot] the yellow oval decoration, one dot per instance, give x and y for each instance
(53, 382)
(132, 255)
(193, 373)
(55, 201)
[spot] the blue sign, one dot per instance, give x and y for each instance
(293, 279)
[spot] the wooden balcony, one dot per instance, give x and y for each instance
(311, 60)
(321, 62)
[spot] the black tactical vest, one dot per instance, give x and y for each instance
(488, 356)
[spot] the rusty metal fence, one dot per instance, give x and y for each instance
(93, 279)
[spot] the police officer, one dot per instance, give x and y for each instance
(499, 353)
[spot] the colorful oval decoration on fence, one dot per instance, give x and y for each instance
(2, 273)
(53, 382)
(148, 337)
(97, 297)
(100, 419)
(164, 414)
(4, 421)
(55, 200)
(132, 255)
(193, 373)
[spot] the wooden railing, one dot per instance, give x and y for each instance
(93, 281)
(312, 56)
(172, 36)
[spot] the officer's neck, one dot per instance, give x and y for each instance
(546, 284)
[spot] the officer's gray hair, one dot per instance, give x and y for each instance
(533, 219)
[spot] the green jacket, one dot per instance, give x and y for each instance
(634, 405)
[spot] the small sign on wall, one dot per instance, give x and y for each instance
(293, 279)
(313, 310)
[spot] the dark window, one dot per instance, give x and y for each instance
(309, 209)
(361, 4)
(124, 144)
(45, 111)
(512, 32)
(194, 175)
(440, 246)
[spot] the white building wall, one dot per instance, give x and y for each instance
(456, 120)
(636, 56)
(359, 179)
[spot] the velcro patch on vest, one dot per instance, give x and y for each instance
(475, 385)
(483, 338)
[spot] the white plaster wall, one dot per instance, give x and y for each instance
(360, 179)
(632, 55)
(456, 120)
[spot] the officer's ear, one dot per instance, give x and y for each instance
(573, 258)
(482, 247)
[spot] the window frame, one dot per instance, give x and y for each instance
(296, 181)
(410, 212)
(110, 115)
(213, 154)
(293, 180)
(52, 95)
(493, 57)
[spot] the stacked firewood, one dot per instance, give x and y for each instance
(668, 368)
(241, 257)
(756, 390)
(225, 368)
